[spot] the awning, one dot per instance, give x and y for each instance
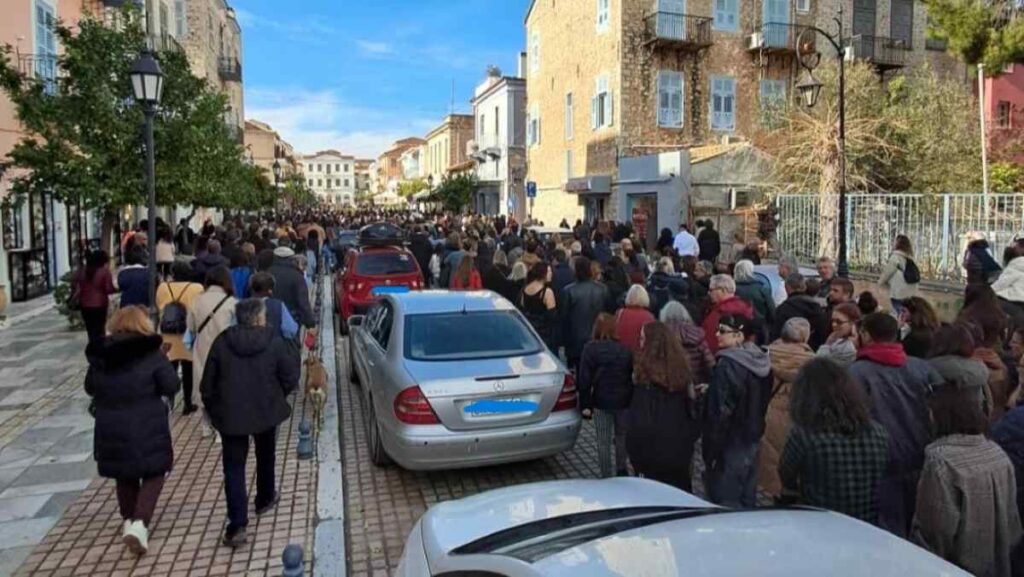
(589, 185)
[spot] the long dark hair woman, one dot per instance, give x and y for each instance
(663, 421)
(831, 429)
(537, 301)
(93, 286)
(131, 382)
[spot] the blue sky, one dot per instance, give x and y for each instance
(355, 75)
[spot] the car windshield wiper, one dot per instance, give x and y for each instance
(527, 533)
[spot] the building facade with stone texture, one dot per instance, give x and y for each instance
(620, 78)
(331, 175)
(447, 146)
(264, 146)
(213, 42)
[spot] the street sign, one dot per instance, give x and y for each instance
(531, 189)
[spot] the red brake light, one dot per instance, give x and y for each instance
(567, 399)
(412, 408)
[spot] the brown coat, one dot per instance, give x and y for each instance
(787, 359)
(186, 293)
(998, 381)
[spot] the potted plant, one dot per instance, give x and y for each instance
(61, 296)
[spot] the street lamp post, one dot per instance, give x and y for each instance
(147, 86)
(277, 178)
(810, 89)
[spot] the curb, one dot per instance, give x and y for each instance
(28, 315)
(329, 539)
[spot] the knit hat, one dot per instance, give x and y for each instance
(283, 252)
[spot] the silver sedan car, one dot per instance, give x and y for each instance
(459, 379)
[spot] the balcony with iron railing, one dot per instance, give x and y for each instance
(882, 52)
(41, 68)
(230, 69)
(778, 37)
(166, 43)
(678, 31)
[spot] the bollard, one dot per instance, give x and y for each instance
(294, 566)
(305, 448)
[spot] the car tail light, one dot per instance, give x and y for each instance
(412, 408)
(567, 397)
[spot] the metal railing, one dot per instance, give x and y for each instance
(880, 50)
(937, 225)
(40, 67)
(166, 43)
(678, 28)
(780, 36)
(230, 69)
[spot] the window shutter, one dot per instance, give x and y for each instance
(537, 129)
(609, 118)
(593, 112)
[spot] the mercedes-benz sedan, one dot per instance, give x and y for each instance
(634, 527)
(459, 379)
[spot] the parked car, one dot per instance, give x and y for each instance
(459, 379)
(544, 234)
(368, 273)
(343, 241)
(768, 275)
(628, 526)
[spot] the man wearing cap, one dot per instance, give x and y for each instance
(291, 286)
(737, 401)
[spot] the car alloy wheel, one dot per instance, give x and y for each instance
(378, 455)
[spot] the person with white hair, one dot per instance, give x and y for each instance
(724, 301)
(788, 355)
(633, 316)
(680, 322)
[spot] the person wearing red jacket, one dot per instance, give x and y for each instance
(466, 277)
(724, 301)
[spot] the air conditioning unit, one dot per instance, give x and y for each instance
(740, 198)
(471, 147)
(755, 41)
(849, 54)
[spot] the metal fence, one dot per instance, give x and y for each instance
(937, 226)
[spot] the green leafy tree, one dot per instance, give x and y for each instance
(297, 193)
(410, 187)
(991, 33)
(1006, 177)
(85, 138)
(455, 193)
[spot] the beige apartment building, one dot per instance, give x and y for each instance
(446, 146)
(363, 175)
(614, 79)
(264, 146)
(213, 43)
(389, 164)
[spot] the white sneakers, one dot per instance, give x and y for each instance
(136, 537)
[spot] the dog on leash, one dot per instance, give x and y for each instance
(316, 388)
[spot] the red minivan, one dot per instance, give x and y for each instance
(371, 272)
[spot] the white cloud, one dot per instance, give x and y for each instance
(317, 120)
(371, 48)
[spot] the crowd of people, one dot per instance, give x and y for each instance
(816, 394)
(231, 303)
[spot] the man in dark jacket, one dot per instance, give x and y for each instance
(422, 250)
(800, 304)
(741, 386)
(248, 376)
(561, 274)
(898, 387)
(666, 286)
(582, 302)
(978, 262)
(209, 261)
(291, 286)
(709, 241)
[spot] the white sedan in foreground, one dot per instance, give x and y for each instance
(635, 527)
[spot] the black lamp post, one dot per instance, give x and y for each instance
(147, 86)
(810, 88)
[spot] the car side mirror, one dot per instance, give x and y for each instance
(356, 320)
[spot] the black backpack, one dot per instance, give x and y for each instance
(174, 315)
(911, 273)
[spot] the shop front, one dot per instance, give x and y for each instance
(654, 193)
(487, 200)
(594, 194)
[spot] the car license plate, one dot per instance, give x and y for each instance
(490, 407)
(389, 290)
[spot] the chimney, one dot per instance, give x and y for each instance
(521, 72)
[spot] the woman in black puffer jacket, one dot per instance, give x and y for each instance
(131, 382)
(605, 382)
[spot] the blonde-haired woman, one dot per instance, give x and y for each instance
(131, 382)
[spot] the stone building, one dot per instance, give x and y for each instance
(608, 79)
(264, 146)
(213, 43)
(331, 175)
(389, 164)
(446, 146)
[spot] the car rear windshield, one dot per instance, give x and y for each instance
(468, 336)
(384, 264)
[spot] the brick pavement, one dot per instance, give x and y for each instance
(187, 526)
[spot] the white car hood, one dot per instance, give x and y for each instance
(455, 523)
(766, 543)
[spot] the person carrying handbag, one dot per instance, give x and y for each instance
(212, 313)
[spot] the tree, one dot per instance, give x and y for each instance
(991, 33)
(898, 138)
(297, 193)
(455, 193)
(85, 139)
(408, 188)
